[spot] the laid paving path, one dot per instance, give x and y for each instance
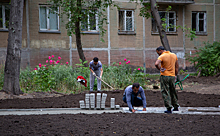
(182, 110)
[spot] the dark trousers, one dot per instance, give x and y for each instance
(135, 101)
(168, 91)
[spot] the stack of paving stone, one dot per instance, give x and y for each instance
(82, 104)
(103, 100)
(98, 101)
(117, 107)
(87, 101)
(92, 101)
(112, 103)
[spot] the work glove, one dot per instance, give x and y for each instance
(100, 76)
(162, 69)
(94, 74)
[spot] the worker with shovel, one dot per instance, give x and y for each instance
(130, 97)
(95, 67)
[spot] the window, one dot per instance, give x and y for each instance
(48, 19)
(4, 16)
(89, 22)
(170, 21)
(199, 22)
(126, 20)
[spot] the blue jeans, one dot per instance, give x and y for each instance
(92, 79)
(135, 101)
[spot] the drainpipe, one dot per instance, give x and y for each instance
(109, 42)
(70, 46)
(214, 20)
(184, 48)
(28, 35)
(144, 45)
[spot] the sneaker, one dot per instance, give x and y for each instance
(175, 109)
(167, 111)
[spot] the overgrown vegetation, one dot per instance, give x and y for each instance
(206, 59)
(54, 75)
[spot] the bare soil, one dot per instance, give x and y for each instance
(197, 92)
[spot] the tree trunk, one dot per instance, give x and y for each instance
(13, 58)
(78, 36)
(162, 33)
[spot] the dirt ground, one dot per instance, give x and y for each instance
(197, 92)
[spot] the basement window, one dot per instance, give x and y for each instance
(199, 23)
(89, 21)
(49, 19)
(126, 22)
(169, 19)
(4, 17)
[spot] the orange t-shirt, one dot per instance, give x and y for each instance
(168, 61)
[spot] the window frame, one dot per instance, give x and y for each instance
(48, 20)
(88, 22)
(204, 32)
(4, 28)
(125, 17)
(167, 22)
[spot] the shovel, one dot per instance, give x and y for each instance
(104, 82)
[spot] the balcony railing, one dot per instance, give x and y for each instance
(182, 2)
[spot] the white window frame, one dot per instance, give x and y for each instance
(48, 19)
(197, 22)
(125, 17)
(96, 22)
(3, 17)
(167, 21)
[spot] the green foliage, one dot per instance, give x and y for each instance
(145, 10)
(1, 76)
(63, 78)
(43, 79)
(182, 72)
(121, 75)
(206, 59)
(191, 33)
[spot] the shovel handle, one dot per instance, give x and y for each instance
(104, 82)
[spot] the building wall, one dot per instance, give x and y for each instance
(133, 47)
(213, 25)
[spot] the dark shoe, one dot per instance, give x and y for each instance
(175, 109)
(167, 111)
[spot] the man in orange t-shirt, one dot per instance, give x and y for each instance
(167, 63)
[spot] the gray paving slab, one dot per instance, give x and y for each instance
(182, 110)
(54, 111)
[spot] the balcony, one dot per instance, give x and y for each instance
(175, 2)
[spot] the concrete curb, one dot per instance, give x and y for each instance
(182, 110)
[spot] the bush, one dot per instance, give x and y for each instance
(1, 76)
(207, 59)
(53, 75)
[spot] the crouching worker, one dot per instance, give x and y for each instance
(130, 97)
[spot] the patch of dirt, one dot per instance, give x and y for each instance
(197, 92)
(202, 85)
